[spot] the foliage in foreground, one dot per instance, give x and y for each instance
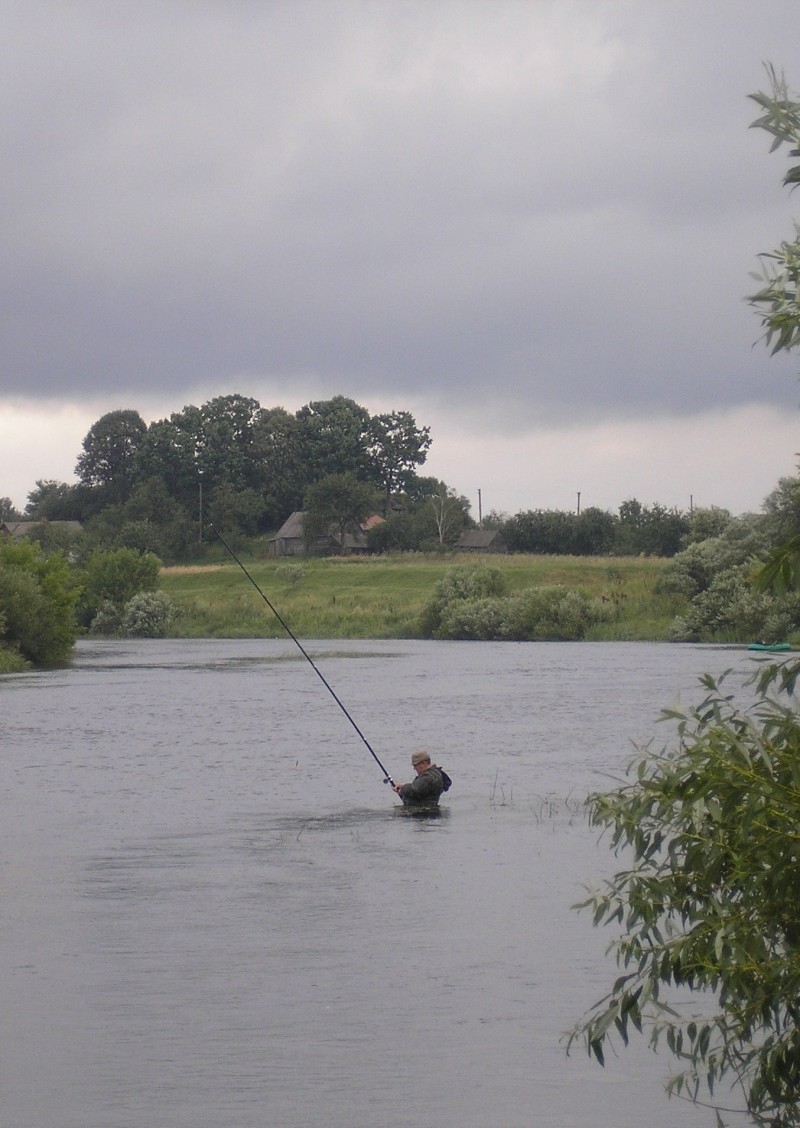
(709, 901)
(37, 606)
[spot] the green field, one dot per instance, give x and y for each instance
(382, 596)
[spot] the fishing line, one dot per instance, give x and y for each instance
(307, 656)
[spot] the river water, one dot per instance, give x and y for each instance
(214, 917)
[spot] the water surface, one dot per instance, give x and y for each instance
(213, 916)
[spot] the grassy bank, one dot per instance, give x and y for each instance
(382, 597)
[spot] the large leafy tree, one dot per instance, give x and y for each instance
(111, 453)
(396, 447)
(226, 441)
(337, 501)
(170, 452)
(58, 501)
(38, 594)
(334, 435)
(277, 447)
(8, 511)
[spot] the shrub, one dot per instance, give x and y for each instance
(148, 615)
(115, 576)
(37, 604)
(544, 613)
(107, 620)
(729, 609)
(12, 662)
(457, 585)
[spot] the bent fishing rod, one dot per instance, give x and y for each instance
(307, 656)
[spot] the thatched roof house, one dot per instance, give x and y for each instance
(19, 529)
(290, 538)
(482, 540)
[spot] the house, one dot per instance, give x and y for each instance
(19, 529)
(482, 540)
(16, 530)
(290, 539)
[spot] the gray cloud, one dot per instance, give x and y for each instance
(553, 206)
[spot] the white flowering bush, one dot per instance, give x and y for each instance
(148, 615)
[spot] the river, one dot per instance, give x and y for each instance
(213, 916)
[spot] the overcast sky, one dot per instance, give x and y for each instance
(532, 224)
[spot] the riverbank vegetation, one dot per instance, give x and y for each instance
(702, 593)
(387, 596)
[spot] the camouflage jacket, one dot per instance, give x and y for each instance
(424, 790)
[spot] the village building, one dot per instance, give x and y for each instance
(290, 538)
(482, 540)
(16, 530)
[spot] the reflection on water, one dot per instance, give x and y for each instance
(213, 915)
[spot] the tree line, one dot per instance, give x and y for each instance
(237, 465)
(244, 468)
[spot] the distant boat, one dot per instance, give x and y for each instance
(770, 646)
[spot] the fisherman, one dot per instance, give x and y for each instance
(422, 794)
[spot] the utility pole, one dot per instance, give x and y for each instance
(480, 511)
(579, 503)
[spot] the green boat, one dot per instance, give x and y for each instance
(770, 646)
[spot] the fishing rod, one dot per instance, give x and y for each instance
(307, 656)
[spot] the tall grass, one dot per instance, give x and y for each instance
(383, 596)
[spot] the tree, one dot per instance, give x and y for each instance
(151, 520)
(337, 501)
(56, 501)
(594, 532)
(226, 441)
(459, 585)
(110, 453)
(543, 531)
(8, 511)
(395, 446)
(334, 435)
(170, 452)
(709, 900)
(779, 298)
(114, 577)
(705, 522)
(782, 508)
(448, 511)
(653, 530)
(277, 447)
(38, 594)
(235, 512)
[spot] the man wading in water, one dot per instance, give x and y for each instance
(422, 794)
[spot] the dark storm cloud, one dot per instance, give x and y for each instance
(552, 206)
